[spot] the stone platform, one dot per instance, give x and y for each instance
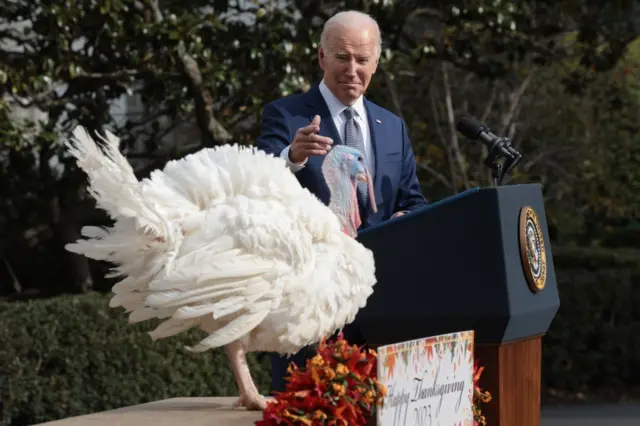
(169, 412)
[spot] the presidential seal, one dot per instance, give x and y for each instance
(532, 253)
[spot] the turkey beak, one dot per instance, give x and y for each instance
(365, 177)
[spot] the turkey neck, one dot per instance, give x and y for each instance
(341, 201)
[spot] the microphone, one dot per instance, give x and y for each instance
(498, 146)
(476, 131)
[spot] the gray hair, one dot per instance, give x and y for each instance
(351, 18)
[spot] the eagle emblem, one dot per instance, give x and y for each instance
(532, 251)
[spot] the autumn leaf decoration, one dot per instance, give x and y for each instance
(428, 347)
(390, 361)
(479, 396)
(337, 387)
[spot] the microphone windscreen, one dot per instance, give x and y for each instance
(470, 127)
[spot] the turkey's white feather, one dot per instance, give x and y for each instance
(227, 240)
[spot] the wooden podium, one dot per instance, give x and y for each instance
(480, 260)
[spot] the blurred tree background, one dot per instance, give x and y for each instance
(558, 77)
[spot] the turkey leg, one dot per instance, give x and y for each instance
(249, 395)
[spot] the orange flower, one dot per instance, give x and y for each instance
(312, 398)
(367, 398)
(297, 418)
(319, 415)
(342, 370)
(382, 391)
(338, 389)
(329, 373)
(317, 361)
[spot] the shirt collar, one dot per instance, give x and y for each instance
(336, 107)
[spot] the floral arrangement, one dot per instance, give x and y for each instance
(338, 387)
(479, 396)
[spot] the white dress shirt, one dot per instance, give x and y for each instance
(335, 109)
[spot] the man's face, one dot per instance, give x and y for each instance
(349, 60)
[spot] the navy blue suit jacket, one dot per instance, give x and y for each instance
(395, 183)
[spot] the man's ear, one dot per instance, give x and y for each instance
(321, 57)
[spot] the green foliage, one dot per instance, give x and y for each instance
(74, 355)
(593, 343)
(588, 148)
(99, 53)
(570, 259)
(13, 132)
(492, 38)
(182, 67)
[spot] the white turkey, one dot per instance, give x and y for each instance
(227, 240)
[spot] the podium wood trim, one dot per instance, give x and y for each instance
(512, 375)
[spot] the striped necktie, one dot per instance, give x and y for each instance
(353, 137)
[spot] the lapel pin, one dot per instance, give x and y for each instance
(378, 121)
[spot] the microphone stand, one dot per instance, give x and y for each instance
(496, 169)
(501, 149)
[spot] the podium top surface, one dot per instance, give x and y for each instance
(430, 206)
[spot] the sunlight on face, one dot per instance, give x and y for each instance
(349, 60)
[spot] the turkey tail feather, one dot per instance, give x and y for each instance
(143, 242)
(112, 181)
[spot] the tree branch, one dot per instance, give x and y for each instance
(443, 140)
(40, 99)
(483, 118)
(15, 282)
(110, 76)
(393, 92)
(439, 176)
(514, 103)
(427, 11)
(452, 127)
(490, 102)
(49, 98)
(203, 103)
(202, 98)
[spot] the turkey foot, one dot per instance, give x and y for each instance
(250, 398)
(251, 402)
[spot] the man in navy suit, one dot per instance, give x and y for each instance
(302, 128)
